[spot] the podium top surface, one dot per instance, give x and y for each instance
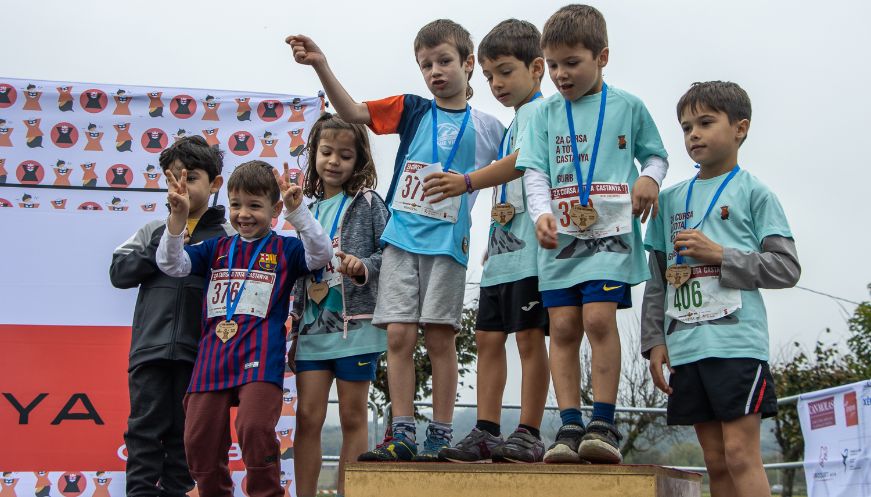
(540, 468)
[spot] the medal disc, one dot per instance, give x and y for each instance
(584, 216)
(502, 213)
(226, 330)
(678, 274)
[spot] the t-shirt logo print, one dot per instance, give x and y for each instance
(724, 212)
(447, 134)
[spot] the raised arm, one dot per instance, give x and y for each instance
(306, 52)
(318, 246)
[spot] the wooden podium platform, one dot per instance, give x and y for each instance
(517, 480)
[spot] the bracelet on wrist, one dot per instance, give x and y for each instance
(469, 188)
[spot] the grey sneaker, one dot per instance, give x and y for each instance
(477, 446)
(520, 446)
(601, 444)
(565, 448)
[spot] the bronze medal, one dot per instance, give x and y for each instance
(584, 216)
(502, 213)
(317, 291)
(226, 330)
(678, 274)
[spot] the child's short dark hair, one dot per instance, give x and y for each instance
(719, 96)
(364, 175)
(513, 38)
(194, 153)
(254, 178)
(576, 24)
(446, 31)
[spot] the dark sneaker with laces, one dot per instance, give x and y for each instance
(520, 446)
(392, 449)
(565, 448)
(477, 446)
(433, 444)
(601, 444)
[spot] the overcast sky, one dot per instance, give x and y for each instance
(804, 64)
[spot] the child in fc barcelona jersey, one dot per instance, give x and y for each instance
(241, 354)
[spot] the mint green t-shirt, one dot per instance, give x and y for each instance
(512, 249)
(746, 212)
(628, 134)
(321, 332)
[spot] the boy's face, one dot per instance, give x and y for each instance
(710, 139)
(445, 74)
(199, 187)
(251, 215)
(511, 81)
(575, 70)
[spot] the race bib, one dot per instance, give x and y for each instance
(409, 194)
(255, 299)
(611, 201)
(702, 298)
(331, 274)
(513, 195)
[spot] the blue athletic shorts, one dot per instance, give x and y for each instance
(352, 368)
(590, 291)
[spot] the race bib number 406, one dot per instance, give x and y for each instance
(702, 298)
(409, 194)
(254, 300)
(611, 201)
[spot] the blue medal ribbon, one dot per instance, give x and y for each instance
(232, 303)
(584, 194)
(679, 259)
(503, 143)
(435, 137)
(319, 274)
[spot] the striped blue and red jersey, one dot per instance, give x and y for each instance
(257, 351)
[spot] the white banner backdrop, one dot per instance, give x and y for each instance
(836, 425)
(79, 174)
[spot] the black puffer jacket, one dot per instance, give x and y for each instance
(169, 311)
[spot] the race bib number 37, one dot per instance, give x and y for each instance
(611, 201)
(254, 300)
(409, 194)
(702, 298)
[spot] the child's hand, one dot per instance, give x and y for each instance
(645, 198)
(694, 243)
(658, 358)
(446, 184)
(179, 201)
(305, 51)
(545, 231)
(351, 266)
(290, 193)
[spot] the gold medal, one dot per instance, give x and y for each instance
(318, 290)
(226, 330)
(502, 213)
(584, 216)
(678, 274)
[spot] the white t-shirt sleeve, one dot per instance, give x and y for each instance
(537, 193)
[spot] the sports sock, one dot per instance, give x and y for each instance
(571, 416)
(441, 430)
(603, 412)
(488, 426)
(404, 425)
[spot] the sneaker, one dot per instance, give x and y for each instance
(520, 446)
(432, 446)
(478, 446)
(601, 444)
(392, 449)
(565, 448)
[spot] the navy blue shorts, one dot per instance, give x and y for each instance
(352, 368)
(590, 291)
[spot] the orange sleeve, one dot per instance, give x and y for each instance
(385, 114)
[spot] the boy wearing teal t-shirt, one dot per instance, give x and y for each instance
(510, 302)
(718, 239)
(585, 195)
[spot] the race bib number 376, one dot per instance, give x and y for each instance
(254, 300)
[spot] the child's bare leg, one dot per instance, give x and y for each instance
(565, 362)
(744, 456)
(710, 435)
(600, 324)
(353, 417)
(401, 339)
(313, 391)
(535, 377)
(441, 347)
(492, 374)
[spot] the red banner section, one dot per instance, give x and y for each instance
(64, 396)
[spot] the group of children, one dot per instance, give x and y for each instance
(565, 248)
